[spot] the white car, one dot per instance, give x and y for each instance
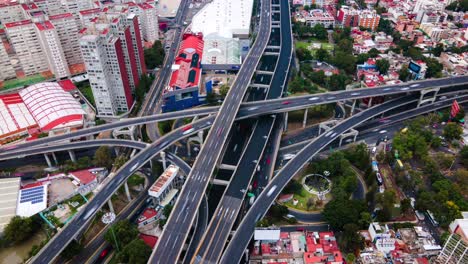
(414, 85)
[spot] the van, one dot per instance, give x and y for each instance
(374, 149)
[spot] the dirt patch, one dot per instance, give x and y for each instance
(60, 189)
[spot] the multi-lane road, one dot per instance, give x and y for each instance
(248, 109)
(178, 225)
(213, 242)
(245, 230)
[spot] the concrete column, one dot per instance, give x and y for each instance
(354, 106)
(355, 137)
(163, 157)
(341, 140)
(116, 150)
(195, 118)
(133, 153)
(72, 155)
(55, 158)
(304, 122)
(111, 207)
(200, 136)
(127, 192)
(285, 122)
(370, 102)
(49, 163)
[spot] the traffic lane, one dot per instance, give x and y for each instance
(235, 192)
(274, 106)
(59, 241)
(266, 198)
(333, 97)
(224, 119)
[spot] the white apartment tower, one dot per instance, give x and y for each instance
(50, 43)
(68, 31)
(75, 6)
(149, 22)
(11, 12)
(7, 71)
(104, 60)
(24, 39)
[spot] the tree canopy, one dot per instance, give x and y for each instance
(103, 157)
(20, 229)
(154, 56)
(124, 231)
(135, 252)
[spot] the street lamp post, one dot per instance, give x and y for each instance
(109, 218)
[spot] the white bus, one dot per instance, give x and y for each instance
(432, 218)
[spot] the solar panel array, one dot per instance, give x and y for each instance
(34, 195)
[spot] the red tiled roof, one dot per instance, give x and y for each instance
(147, 214)
(44, 25)
(31, 185)
(85, 176)
(149, 240)
(59, 16)
(67, 85)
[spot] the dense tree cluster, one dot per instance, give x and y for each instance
(154, 56)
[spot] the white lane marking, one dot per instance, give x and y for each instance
(220, 210)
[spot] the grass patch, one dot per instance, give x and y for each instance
(135, 180)
(29, 80)
(315, 45)
(88, 94)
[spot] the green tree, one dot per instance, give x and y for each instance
(135, 252)
(303, 54)
(453, 131)
(385, 26)
(320, 32)
(345, 45)
(361, 58)
(383, 65)
(20, 229)
(434, 68)
(365, 220)
(167, 210)
(351, 240)
(439, 48)
(346, 61)
(338, 82)
(322, 55)
(263, 223)
(405, 206)
(373, 53)
(278, 211)
(403, 73)
(341, 211)
(120, 161)
(415, 53)
(223, 90)
(124, 231)
(464, 156)
(103, 157)
(154, 56)
(71, 250)
(350, 258)
(211, 98)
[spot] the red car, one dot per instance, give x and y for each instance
(187, 127)
(255, 184)
(286, 102)
(268, 161)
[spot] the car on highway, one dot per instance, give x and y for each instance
(414, 85)
(270, 192)
(255, 184)
(218, 133)
(187, 127)
(286, 102)
(104, 253)
(268, 161)
(186, 132)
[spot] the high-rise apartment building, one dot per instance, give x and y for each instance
(68, 32)
(24, 39)
(348, 16)
(11, 12)
(149, 22)
(50, 43)
(7, 71)
(112, 52)
(75, 6)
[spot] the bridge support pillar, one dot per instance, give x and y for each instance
(111, 207)
(133, 153)
(285, 128)
(369, 104)
(351, 132)
(353, 107)
(327, 125)
(163, 157)
(49, 163)
(431, 99)
(72, 155)
(198, 138)
(127, 192)
(55, 158)
(304, 122)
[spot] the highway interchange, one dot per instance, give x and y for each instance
(220, 120)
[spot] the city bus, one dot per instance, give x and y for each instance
(432, 218)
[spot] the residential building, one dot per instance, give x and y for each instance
(185, 89)
(274, 246)
(369, 19)
(23, 37)
(316, 16)
(50, 43)
(67, 29)
(75, 6)
(149, 22)
(135, 33)
(50, 7)
(105, 64)
(348, 17)
(7, 71)
(460, 227)
(166, 187)
(11, 12)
